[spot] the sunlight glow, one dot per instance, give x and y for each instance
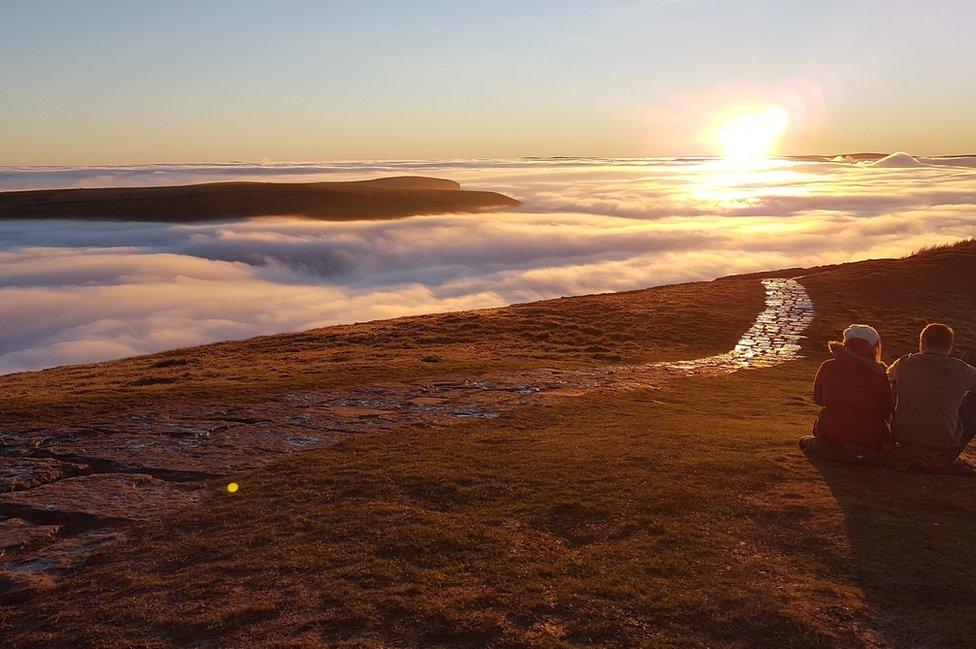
(748, 139)
(731, 186)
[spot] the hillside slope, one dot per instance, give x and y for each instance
(899, 297)
(677, 511)
(636, 326)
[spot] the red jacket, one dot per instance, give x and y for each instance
(856, 399)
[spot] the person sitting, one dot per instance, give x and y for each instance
(852, 388)
(935, 404)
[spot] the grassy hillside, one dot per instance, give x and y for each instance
(680, 514)
(683, 321)
(899, 297)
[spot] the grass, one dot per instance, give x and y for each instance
(899, 297)
(678, 517)
(637, 326)
(939, 247)
(682, 516)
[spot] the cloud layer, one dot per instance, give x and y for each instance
(76, 293)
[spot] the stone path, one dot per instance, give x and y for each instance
(774, 337)
(67, 491)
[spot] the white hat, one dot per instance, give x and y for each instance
(863, 332)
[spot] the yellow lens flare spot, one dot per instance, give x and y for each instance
(750, 138)
(232, 487)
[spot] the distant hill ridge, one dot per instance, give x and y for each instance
(380, 198)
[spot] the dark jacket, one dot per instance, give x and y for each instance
(856, 400)
(929, 389)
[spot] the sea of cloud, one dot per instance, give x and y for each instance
(75, 292)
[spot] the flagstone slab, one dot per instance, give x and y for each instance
(105, 495)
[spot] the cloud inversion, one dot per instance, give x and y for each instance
(80, 292)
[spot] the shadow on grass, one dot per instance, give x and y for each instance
(913, 540)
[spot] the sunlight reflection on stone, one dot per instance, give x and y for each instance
(773, 339)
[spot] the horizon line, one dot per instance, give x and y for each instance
(276, 163)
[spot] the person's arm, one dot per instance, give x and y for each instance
(893, 388)
(818, 397)
(887, 396)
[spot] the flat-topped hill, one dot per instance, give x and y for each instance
(505, 477)
(382, 198)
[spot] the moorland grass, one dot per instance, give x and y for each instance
(684, 516)
(678, 516)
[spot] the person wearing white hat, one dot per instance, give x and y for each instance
(866, 333)
(853, 391)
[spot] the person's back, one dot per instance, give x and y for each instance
(854, 393)
(930, 388)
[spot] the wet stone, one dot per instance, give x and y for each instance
(771, 340)
(16, 533)
(229, 449)
(105, 495)
(359, 411)
(470, 412)
(18, 473)
(26, 575)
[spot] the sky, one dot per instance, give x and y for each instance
(106, 82)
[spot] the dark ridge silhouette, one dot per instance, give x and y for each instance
(382, 198)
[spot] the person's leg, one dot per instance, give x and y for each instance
(808, 444)
(967, 415)
(821, 448)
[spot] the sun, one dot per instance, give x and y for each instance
(749, 138)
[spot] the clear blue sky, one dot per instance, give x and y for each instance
(136, 81)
